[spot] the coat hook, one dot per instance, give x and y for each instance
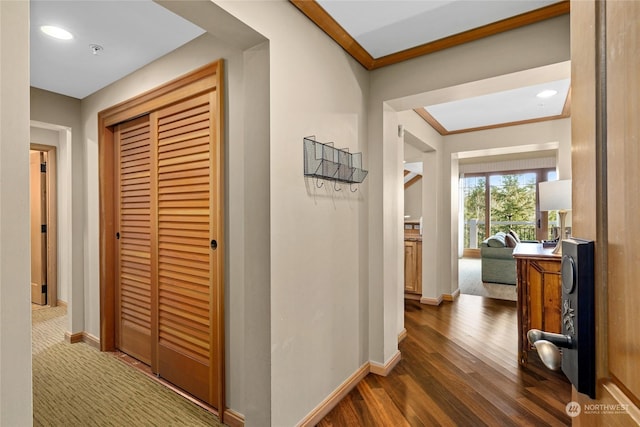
(335, 186)
(318, 181)
(351, 188)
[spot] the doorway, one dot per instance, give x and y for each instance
(43, 202)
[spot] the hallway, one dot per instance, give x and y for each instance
(77, 385)
(458, 368)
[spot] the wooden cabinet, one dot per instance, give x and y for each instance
(413, 266)
(539, 293)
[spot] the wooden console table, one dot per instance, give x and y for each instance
(539, 293)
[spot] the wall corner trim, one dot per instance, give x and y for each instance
(402, 335)
(320, 411)
(84, 337)
(452, 296)
(384, 370)
(431, 301)
(233, 418)
(331, 401)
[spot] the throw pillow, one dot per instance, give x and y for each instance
(510, 241)
(515, 235)
(496, 241)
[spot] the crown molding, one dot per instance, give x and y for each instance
(322, 19)
(566, 112)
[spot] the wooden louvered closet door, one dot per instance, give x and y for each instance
(133, 254)
(166, 287)
(186, 261)
(161, 231)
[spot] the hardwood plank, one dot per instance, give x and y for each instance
(459, 367)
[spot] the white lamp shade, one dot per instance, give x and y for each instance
(555, 195)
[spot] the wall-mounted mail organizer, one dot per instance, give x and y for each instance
(324, 161)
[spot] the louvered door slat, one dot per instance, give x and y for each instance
(133, 333)
(185, 306)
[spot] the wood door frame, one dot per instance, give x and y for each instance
(52, 224)
(594, 122)
(199, 81)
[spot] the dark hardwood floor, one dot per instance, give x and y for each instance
(459, 368)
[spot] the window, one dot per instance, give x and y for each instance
(553, 228)
(505, 201)
(513, 204)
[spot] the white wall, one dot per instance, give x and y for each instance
(334, 260)
(201, 51)
(419, 138)
(403, 85)
(54, 136)
(549, 135)
(413, 201)
(313, 235)
(15, 307)
(316, 306)
(554, 135)
(61, 114)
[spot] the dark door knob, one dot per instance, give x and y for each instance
(214, 244)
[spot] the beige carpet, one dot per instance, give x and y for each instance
(76, 385)
(48, 326)
(470, 282)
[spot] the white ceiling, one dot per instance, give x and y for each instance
(385, 27)
(132, 34)
(496, 108)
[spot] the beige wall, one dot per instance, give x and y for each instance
(413, 201)
(45, 135)
(403, 85)
(314, 266)
(550, 135)
(419, 138)
(318, 305)
(319, 283)
(247, 184)
(57, 113)
(15, 310)
(201, 51)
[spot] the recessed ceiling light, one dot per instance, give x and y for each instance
(56, 32)
(548, 93)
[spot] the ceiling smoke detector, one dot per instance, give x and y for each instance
(96, 49)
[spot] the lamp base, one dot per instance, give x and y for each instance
(558, 249)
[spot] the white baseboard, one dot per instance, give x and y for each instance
(384, 370)
(402, 335)
(233, 419)
(320, 411)
(431, 301)
(451, 297)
